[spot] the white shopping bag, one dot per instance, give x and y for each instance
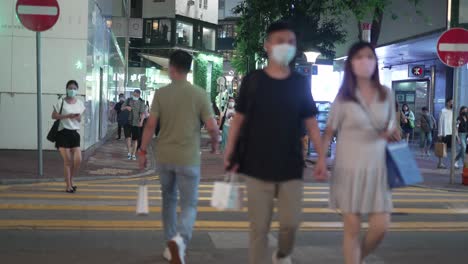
(228, 195)
(142, 201)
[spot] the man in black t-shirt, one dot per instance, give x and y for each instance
(265, 144)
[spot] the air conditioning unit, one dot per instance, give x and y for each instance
(190, 3)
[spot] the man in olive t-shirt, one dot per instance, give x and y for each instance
(179, 107)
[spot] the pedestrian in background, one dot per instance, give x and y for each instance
(462, 124)
(445, 130)
(146, 114)
(69, 111)
(427, 124)
(272, 108)
(407, 121)
(132, 130)
(226, 122)
(363, 116)
(179, 107)
(118, 110)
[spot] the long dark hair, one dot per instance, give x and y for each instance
(349, 86)
(461, 110)
(403, 107)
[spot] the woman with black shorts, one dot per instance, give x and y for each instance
(69, 111)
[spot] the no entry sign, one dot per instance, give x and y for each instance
(38, 15)
(452, 47)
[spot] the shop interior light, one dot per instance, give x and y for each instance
(312, 56)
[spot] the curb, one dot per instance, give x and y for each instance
(441, 188)
(79, 179)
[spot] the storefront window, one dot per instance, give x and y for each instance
(227, 31)
(157, 31)
(184, 34)
(209, 39)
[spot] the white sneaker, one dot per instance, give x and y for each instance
(457, 165)
(285, 260)
(167, 254)
(134, 157)
(129, 156)
(177, 250)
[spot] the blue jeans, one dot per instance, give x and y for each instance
(185, 180)
(426, 140)
(462, 149)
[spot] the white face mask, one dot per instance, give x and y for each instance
(364, 67)
(283, 54)
(231, 104)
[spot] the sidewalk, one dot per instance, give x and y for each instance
(110, 160)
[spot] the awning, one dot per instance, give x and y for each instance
(161, 61)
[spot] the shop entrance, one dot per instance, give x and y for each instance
(414, 93)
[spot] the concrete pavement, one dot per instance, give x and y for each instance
(42, 224)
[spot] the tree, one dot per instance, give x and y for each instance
(316, 30)
(372, 9)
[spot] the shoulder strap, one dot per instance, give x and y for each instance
(61, 107)
(372, 120)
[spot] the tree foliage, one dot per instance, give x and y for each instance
(373, 10)
(315, 28)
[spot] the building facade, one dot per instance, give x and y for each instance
(80, 47)
(408, 43)
(176, 24)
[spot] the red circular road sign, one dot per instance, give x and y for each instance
(452, 47)
(38, 15)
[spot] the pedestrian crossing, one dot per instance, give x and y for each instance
(110, 204)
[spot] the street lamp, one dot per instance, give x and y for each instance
(311, 56)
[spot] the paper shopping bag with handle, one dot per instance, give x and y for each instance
(440, 149)
(228, 195)
(142, 200)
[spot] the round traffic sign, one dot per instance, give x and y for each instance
(452, 47)
(38, 15)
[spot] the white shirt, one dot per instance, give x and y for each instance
(445, 122)
(76, 108)
(229, 113)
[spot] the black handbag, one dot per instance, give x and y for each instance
(52, 135)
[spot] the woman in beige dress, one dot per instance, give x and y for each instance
(363, 116)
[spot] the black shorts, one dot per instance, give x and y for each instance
(68, 139)
(447, 140)
(132, 131)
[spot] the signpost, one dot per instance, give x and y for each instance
(38, 16)
(452, 49)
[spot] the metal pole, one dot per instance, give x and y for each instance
(431, 92)
(454, 105)
(39, 104)
(456, 73)
(127, 40)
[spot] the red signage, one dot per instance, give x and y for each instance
(38, 15)
(417, 71)
(452, 47)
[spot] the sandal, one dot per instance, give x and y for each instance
(74, 188)
(70, 191)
